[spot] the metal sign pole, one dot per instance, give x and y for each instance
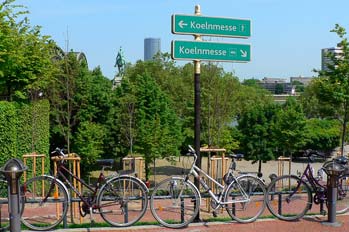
(197, 110)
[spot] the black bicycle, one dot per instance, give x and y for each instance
(121, 200)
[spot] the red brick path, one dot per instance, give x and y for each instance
(308, 224)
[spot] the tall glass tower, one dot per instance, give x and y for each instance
(151, 47)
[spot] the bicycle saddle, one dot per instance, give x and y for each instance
(105, 162)
(341, 160)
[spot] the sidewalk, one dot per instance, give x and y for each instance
(307, 224)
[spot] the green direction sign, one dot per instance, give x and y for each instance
(199, 50)
(214, 26)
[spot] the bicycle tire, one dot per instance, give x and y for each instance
(122, 201)
(285, 206)
(248, 211)
(175, 202)
(46, 203)
(342, 203)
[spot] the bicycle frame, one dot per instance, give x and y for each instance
(320, 196)
(196, 171)
(314, 183)
(94, 191)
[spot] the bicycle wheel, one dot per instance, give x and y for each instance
(123, 201)
(342, 204)
(4, 216)
(175, 202)
(249, 192)
(288, 197)
(46, 203)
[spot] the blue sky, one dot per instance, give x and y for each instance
(287, 36)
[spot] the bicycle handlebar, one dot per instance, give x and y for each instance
(311, 154)
(59, 152)
(192, 152)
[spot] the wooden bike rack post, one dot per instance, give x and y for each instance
(137, 167)
(75, 159)
(281, 166)
(35, 157)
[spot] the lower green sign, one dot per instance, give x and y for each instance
(214, 51)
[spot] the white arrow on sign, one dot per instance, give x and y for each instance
(243, 53)
(181, 24)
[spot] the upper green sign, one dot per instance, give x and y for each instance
(214, 26)
(200, 50)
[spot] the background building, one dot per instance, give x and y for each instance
(151, 47)
(325, 60)
(304, 80)
(276, 85)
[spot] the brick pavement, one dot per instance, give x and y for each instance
(307, 224)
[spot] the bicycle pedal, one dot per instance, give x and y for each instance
(104, 211)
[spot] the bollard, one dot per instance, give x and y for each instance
(13, 169)
(333, 171)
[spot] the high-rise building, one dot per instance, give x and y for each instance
(151, 47)
(325, 60)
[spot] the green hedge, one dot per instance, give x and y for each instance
(8, 131)
(24, 128)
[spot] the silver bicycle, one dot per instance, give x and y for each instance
(175, 202)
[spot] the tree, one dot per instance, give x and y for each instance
(289, 127)
(217, 107)
(299, 86)
(78, 97)
(25, 55)
(61, 96)
(88, 143)
(322, 134)
(250, 96)
(176, 82)
(256, 131)
(121, 119)
(251, 82)
(334, 81)
(312, 104)
(279, 88)
(155, 128)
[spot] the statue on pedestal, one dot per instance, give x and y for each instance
(120, 64)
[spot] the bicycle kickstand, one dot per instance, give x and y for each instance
(91, 217)
(322, 210)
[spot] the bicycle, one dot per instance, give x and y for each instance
(290, 197)
(121, 200)
(175, 202)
